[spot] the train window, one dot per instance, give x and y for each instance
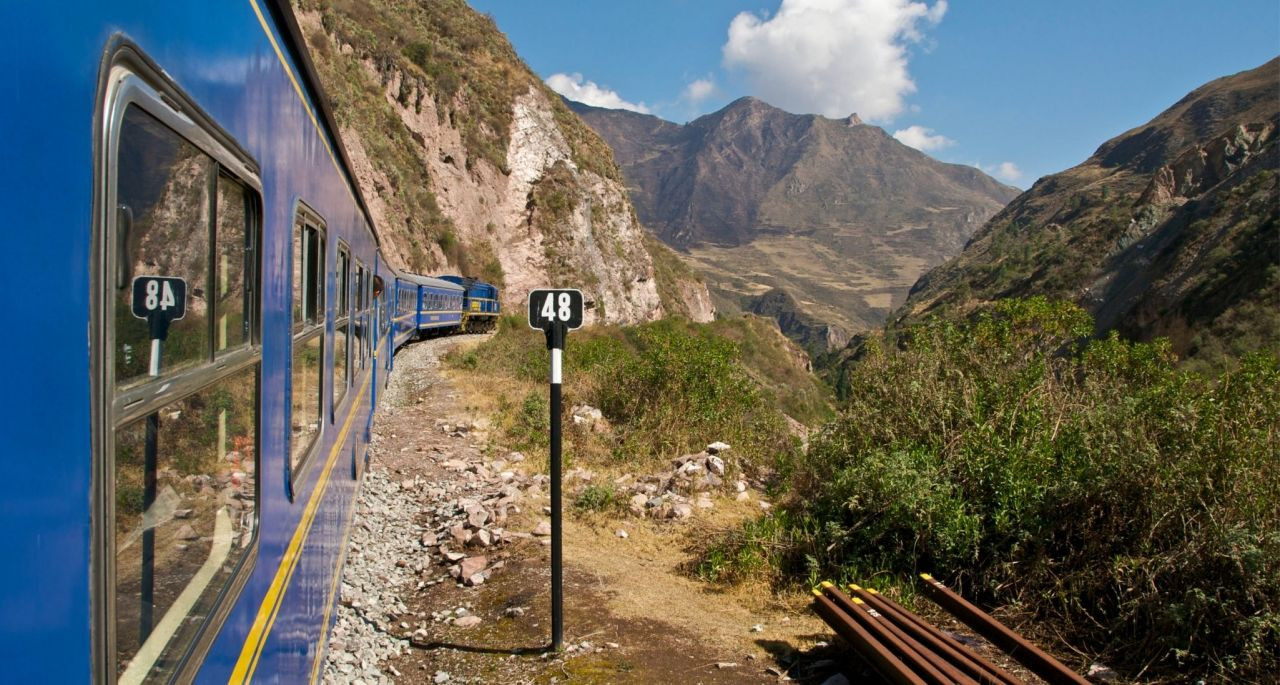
(233, 245)
(185, 518)
(163, 208)
(341, 328)
(344, 280)
(307, 395)
(177, 436)
(358, 323)
(305, 421)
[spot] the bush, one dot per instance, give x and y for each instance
(596, 499)
(1131, 503)
(666, 388)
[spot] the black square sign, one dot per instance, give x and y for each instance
(159, 296)
(550, 307)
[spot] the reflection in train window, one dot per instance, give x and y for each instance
(307, 400)
(162, 196)
(232, 247)
(179, 455)
(306, 396)
(185, 516)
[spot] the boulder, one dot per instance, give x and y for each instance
(472, 565)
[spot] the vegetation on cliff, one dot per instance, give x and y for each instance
(458, 59)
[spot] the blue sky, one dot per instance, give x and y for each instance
(1020, 88)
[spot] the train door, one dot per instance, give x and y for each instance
(177, 358)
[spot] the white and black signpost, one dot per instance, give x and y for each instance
(555, 313)
(160, 300)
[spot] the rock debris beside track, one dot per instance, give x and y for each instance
(425, 482)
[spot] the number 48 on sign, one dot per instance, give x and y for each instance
(548, 308)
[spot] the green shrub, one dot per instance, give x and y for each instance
(1133, 504)
(596, 499)
(666, 388)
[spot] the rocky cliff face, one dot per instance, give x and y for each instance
(470, 165)
(835, 212)
(1170, 229)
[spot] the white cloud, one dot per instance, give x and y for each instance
(575, 88)
(1005, 171)
(923, 139)
(699, 90)
(832, 57)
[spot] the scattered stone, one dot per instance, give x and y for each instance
(726, 664)
(467, 622)
(715, 465)
(514, 612)
(717, 447)
(182, 513)
(680, 510)
(622, 534)
(1100, 673)
(543, 529)
(429, 540)
(757, 628)
(638, 504)
(441, 677)
(473, 565)
(186, 532)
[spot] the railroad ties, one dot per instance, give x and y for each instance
(906, 649)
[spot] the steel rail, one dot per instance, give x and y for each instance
(970, 663)
(926, 664)
(880, 657)
(1013, 644)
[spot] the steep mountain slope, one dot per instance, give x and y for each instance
(471, 164)
(1170, 229)
(837, 213)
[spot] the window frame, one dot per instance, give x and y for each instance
(307, 218)
(341, 317)
(129, 78)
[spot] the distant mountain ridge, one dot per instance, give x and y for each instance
(1169, 229)
(835, 212)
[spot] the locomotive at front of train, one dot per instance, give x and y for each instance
(191, 387)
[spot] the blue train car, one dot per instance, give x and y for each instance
(208, 306)
(480, 306)
(431, 306)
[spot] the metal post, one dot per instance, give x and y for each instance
(555, 340)
(146, 596)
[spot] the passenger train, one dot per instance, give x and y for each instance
(201, 319)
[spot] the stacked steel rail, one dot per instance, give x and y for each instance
(906, 649)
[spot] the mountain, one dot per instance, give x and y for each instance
(1169, 229)
(836, 213)
(471, 165)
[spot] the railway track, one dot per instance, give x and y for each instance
(906, 649)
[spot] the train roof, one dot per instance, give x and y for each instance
(468, 283)
(428, 281)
